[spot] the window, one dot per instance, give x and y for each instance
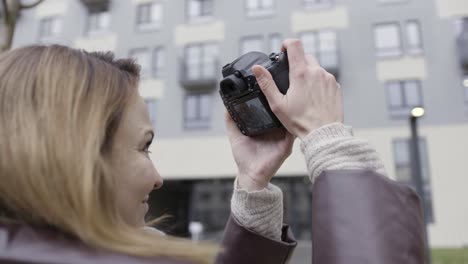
(142, 57)
(158, 62)
(98, 22)
(152, 65)
(413, 36)
(297, 198)
(149, 16)
(403, 96)
(318, 3)
(197, 111)
(201, 61)
(199, 9)
(323, 45)
(402, 155)
(151, 105)
(251, 44)
(49, 27)
(208, 206)
(328, 51)
(387, 40)
(260, 7)
(309, 40)
(275, 43)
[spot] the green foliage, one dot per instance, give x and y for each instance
(450, 256)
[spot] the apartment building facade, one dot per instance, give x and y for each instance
(388, 55)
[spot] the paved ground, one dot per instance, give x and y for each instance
(303, 253)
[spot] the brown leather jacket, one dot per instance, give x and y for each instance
(359, 217)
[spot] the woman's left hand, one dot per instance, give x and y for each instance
(258, 158)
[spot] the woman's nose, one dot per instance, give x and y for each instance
(158, 181)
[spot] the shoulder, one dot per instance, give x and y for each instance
(49, 247)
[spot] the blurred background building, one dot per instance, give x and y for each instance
(388, 55)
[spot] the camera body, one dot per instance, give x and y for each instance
(242, 96)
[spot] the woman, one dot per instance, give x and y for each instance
(75, 172)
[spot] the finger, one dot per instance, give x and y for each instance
(312, 61)
(267, 85)
(296, 56)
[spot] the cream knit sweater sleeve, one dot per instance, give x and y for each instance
(331, 147)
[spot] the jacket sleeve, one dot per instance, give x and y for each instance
(361, 217)
(241, 245)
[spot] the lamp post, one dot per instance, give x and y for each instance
(416, 170)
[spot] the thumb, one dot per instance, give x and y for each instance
(267, 84)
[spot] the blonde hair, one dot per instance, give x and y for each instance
(59, 110)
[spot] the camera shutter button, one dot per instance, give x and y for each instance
(238, 74)
(274, 57)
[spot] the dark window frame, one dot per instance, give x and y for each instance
(201, 122)
(143, 70)
(201, 63)
(92, 16)
(380, 53)
(155, 71)
(48, 21)
(202, 15)
(261, 11)
(143, 19)
(152, 114)
(318, 52)
(270, 40)
(402, 86)
(412, 50)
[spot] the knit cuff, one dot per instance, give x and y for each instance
(333, 147)
(260, 211)
(325, 134)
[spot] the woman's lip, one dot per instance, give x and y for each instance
(146, 199)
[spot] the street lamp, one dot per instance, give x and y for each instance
(416, 170)
(417, 112)
(465, 82)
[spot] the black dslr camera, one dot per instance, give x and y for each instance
(242, 96)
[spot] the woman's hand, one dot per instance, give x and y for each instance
(313, 99)
(258, 158)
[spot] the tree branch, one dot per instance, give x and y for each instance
(27, 6)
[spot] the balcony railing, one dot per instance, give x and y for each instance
(96, 5)
(199, 76)
(462, 42)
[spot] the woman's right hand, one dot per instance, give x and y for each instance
(314, 98)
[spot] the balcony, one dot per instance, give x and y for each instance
(96, 5)
(462, 43)
(202, 76)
